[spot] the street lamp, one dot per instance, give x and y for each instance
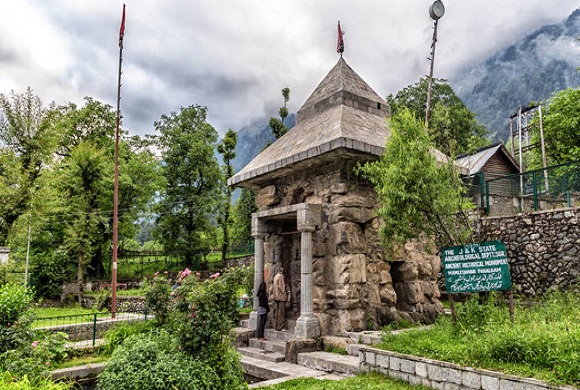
(436, 12)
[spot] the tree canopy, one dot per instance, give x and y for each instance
(453, 128)
(193, 182)
(561, 120)
(416, 194)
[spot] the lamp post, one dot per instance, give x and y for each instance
(436, 12)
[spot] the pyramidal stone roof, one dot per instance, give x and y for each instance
(343, 113)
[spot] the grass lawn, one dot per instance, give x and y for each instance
(372, 381)
(78, 314)
(543, 341)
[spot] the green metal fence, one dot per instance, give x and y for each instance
(542, 189)
(85, 329)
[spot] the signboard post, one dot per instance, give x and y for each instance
(475, 268)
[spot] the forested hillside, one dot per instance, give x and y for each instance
(530, 69)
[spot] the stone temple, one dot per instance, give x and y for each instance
(316, 218)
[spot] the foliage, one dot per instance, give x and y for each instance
(561, 121)
(277, 125)
(415, 195)
(121, 332)
(242, 215)
(542, 342)
(227, 149)
(36, 357)
(193, 182)
(203, 313)
(370, 381)
(9, 382)
(49, 276)
(200, 315)
(453, 128)
(158, 299)
(153, 361)
(26, 145)
(14, 300)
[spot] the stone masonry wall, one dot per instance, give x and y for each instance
(442, 375)
(543, 248)
(355, 286)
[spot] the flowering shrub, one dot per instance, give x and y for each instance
(157, 298)
(34, 359)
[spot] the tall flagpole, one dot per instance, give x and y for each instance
(116, 181)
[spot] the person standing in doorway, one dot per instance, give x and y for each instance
(263, 310)
(280, 296)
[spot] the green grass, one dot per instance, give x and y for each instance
(81, 361)
(371, 381)
(48, 314)
(543, 341)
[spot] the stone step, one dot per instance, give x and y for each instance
(261, 354)
(245, 323)
(269, 345)
(330, 362)
(366, 337)
(276, 335)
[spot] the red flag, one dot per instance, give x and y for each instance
(122, 30)
(340, 43)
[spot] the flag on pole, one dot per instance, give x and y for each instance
(340, 43)
(122, 30)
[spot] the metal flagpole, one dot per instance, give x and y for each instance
(116, 181)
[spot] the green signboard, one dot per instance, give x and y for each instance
(476, 267)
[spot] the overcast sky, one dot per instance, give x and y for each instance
(234, 56)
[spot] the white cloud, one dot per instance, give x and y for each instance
(235, 56)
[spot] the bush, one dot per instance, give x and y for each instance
(204, 313)
(153, 361)
(116, 336)
(34, 359)
(8, 382)
(158, 299)
(14, 300)
(48, 275)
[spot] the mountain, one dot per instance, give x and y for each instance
(252, 140)
(531, 69)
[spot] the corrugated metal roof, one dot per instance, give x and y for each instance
(473, 164)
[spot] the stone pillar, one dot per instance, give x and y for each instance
(258, 232)
(307, 324)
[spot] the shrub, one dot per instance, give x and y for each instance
(34, 359)
(123, 331)
(153, 361)
(9, 382)
(48, 276)
(205, 312)
(158, 299)
(14, 300)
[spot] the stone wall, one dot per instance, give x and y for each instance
(355, 286)
(442, 375)
(124, 303)
(543, 248)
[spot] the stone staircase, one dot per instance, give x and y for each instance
(268, 359)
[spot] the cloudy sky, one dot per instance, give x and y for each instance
(234, 56)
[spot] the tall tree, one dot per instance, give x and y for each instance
(193, 181)
(452, 126)
(26, 146)
(416, 194)
(277, 125)
(245, 206)
(84, 172)
(227, 148)
(561, 120)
